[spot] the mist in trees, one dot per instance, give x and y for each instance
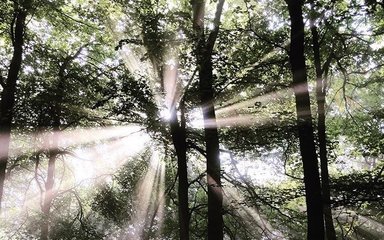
(154, 119)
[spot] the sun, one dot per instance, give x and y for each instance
(165, 114)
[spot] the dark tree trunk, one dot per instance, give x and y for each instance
(179, 141)
(304, 123)
(215, 195)
(155, 51)
(204, 60)
(320, 98)
(9, 88)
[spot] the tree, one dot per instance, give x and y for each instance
(17, 27)
(304, 123)
(321, 87)
(204, 48)
(178, 133)
(155, 40)
(54, 151)
(64, 75)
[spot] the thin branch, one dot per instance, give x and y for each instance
(198, 178)
(12, 26)
(285, 153)
(188, 84)
(71, 18)
(345, 80)
(197, 148)
(216, 25)
(250, 189)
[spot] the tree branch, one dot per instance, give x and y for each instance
(216, 25)
(197, 148)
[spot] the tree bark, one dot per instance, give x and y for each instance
(9, 88)
(313, 198)
(179, 141)
(320, 99)
(211, 137)
(204, 50)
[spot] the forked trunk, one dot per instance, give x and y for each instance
(320, 98)
(304, 124)
(204, 61)
(179, 141)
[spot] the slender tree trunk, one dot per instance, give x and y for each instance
(320, 98)
(304, 122)
(53, 151)
(49, 187)
(204, 60)
(178, 133)
(215, 192)
(211, 137)
(179, 141)
(9, 88)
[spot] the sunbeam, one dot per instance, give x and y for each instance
(241, 120)
(170, 82)
(149, 200)
(40, 141)
(251, 214)
(351, 218)
(224, 118)
(261, 99)
(105, 158)
(89, 156)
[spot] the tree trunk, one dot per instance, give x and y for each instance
(211, 137)
(53, 151)
(204, 60)
(155, 51)
(179, 141)
(9, 88)
(304, 122)
(49, 190)
(320, 98)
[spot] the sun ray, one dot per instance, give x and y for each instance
(251, 214)
(106, 150)
(149, 200)
(170, 82)
(239, 121)
(40, 141)
(224, 118)
(262, 99)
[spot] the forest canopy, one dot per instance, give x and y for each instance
(200, 119)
